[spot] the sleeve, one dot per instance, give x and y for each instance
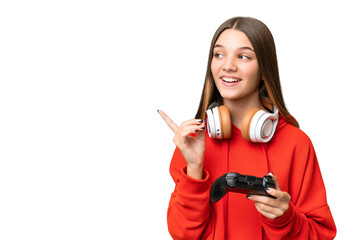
(189, 207)
(308, 216)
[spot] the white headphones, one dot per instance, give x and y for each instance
(256, 126)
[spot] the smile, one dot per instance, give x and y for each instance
(230, 80)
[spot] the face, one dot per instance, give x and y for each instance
(234, 66)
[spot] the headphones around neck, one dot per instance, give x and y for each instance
(256, 126)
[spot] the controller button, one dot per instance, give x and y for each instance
(231, 179)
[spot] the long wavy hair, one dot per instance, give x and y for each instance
(264, 47)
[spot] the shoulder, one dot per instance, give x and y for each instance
(287, 136)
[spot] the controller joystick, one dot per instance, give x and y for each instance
(235, 182)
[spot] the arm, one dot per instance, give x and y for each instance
(189, 207)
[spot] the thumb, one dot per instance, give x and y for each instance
(275, 180)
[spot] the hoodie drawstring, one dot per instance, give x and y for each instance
(225, 158)
(264, 147)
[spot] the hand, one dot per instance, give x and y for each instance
(269, 207)
(191, 146)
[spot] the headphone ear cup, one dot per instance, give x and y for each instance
(265, 126)
(225, 121)
(246, 123)
(210, 122)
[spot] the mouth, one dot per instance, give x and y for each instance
(230, 79)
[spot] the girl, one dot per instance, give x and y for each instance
(242, 73)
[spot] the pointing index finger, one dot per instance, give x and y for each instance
(168, 121)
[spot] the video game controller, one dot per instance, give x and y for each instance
(235, 182)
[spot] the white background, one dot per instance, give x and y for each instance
(83, 152)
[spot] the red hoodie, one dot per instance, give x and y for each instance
(289, 155)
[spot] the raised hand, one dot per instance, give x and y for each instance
(190, 140)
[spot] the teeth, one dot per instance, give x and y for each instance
(230, 80)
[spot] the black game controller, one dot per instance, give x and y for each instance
(235, 182)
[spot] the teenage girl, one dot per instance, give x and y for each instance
(243, 75)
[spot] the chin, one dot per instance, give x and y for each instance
(228, 96)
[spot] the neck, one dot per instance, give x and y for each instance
(239, 107)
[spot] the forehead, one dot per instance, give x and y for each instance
(232, 38)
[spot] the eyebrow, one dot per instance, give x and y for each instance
(241, 48)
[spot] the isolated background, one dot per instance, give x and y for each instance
(83, 152)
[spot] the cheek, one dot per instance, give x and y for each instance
(214, 68)
(252, 72)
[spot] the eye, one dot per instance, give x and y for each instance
(243, 57)
(218, 55)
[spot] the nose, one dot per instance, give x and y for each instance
(229, 65)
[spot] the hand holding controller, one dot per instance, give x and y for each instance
(235, 182)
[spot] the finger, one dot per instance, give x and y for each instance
(274, 192)
(173, 126)
(263, 200)
(283, 196)
(188, 130)
(190, 122)
(267, 206)
(190, 127)
(278, 194)
(201, 135)
(275, 180)
(265, 213)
